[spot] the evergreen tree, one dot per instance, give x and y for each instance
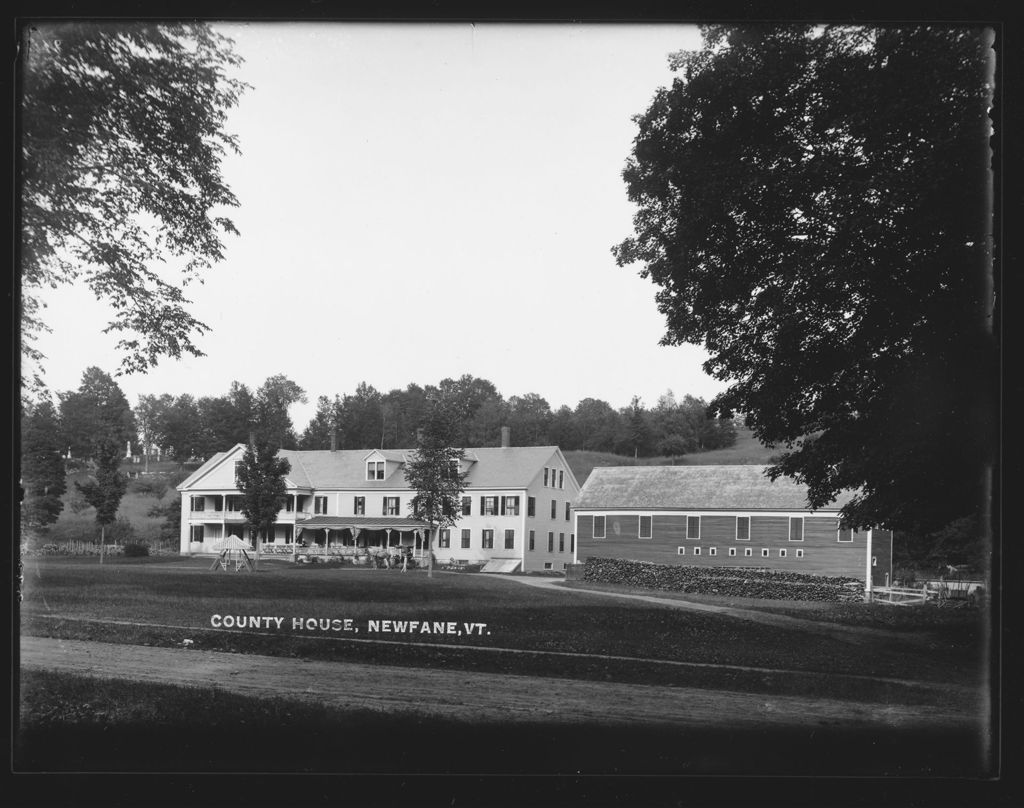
(43, 477)
(105, 490)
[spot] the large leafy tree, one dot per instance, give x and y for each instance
(812, 204)
(43, 478)
(97, 412)
(272, 401)
(261, 481)
(122, 141)
(151, 420)
(106, 487)
(433, 472)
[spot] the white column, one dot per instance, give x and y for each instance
(867, 567)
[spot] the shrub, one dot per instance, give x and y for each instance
(148, 486)
(119, 532)
(136, 549)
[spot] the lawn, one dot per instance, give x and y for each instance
(164, 601)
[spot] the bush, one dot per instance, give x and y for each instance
(148, 486)
(728, 581)
(136, 549)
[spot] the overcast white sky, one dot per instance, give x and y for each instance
(423, 201)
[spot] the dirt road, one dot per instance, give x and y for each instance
(468, 695)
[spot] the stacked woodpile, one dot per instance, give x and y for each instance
(729, 581)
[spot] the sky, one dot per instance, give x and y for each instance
(421, 201)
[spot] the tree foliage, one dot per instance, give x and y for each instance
(43, 478)
(812, 206)
(122, 142)
(107, 486)
(96, 413)
(433, 471)
(261, 481)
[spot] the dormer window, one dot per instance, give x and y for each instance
(375, 470)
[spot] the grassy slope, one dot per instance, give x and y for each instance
(746, 451)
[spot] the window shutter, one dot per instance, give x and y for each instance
(482, 505)
(502, 506)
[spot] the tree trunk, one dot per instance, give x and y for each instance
(430, 551)
(256, 564)
(103, 540)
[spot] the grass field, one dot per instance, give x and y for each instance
(529, 632)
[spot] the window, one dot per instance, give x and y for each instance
(845, 534)
(554, 509)
(645, 527)
(375, 470)
(234, 504)
(510, 539)
(198, 503)
(693, 527)
(237, 464)
(796, 528)
(800, 553)
(874, 561)
(680, 551)
(359, 506)
(598, 527)
(444, 541)
(289, 504)
(742, 528)
(510, 506)
(747, 552)
(561, 542)
(764, 552)
(319, 504)
(782, 553)
(531, 506)
(465, 538)
(732, 551)
(551, 541)
(545, 476)
(533, 537)
(197, 532)
(713, 551)
(547, 565)
(488, 506)
(572, 542)
(561, 479)
(696, 551)
(488, 540)
(391, 506)
(567, 516)
(467, 506)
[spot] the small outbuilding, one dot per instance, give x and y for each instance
(730, 516)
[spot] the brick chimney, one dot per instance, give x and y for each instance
(506, 437)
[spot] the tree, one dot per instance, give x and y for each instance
(122, 143)
(433, 472)
(261, 481)
(181, 433)
(105, 490)
(151, 419)
(317, 434)
(529, 417)
(360, 419)
(43, 478)
(271, 405)
(811, 203)
(96, 413)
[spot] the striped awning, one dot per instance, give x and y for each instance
(361, 523)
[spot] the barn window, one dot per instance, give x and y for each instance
(680, 551)
(713, 551)
(645, 527)
(742, 528)
(696, 551)
(764, 552)
(796, 528)
(693, 527)
(748, 551)
(732, 551)
(799, 553)
(782, 553)
(599, 527)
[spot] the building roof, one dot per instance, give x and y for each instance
(703, 488)
(345, 469)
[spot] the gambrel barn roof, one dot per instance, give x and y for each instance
(703, 488)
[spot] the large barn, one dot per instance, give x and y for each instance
(732, 516)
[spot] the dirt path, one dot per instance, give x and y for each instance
(466, 695)
(856, 634)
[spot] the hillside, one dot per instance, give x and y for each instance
(746, 451)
